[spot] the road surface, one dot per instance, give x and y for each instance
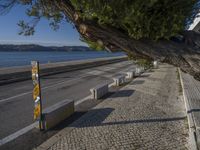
(16, 103)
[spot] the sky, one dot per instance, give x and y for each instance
(44, 35)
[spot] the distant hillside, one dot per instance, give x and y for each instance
(39, 48)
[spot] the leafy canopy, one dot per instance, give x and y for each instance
(139, 18)
(152, 19)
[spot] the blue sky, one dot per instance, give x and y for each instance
(44, 35)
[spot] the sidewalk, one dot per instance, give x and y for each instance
(191, 89)
(146, 114)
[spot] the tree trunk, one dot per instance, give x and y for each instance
(185, 54)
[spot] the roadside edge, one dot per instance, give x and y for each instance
(192, 131)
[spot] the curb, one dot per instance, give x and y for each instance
(192, 130)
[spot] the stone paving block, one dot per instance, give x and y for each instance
(150, 116)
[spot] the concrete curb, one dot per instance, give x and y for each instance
(25, 74)
(192, 131)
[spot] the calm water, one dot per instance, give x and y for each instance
(9, 59)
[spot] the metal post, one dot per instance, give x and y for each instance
(37, 93)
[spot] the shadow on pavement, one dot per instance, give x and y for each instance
(122, 93)
(144, 75)
(53, 77)
(193, 110)
(154, 79)
(94, 117)
(138, 82)
(35, 137)
(99, 121)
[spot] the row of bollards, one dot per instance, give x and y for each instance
(101, 90)
(53, 115)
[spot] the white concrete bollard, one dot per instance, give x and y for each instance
(119, 80)
(55, 114)
(138, 71)
(99, 91)
(155, 64)
(130, 74)
(142, 69)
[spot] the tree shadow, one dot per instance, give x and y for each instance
(162, 71)
(193, 110)
(94, 117)
(144, 75)
(154, 79)
(137, 82)
(47, 77)
(101, 116)
(150, 71)
(122, 93)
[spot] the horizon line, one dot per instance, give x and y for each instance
(46, 44)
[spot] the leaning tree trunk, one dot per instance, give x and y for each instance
(185, 55)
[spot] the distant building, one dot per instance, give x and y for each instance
(196, 25)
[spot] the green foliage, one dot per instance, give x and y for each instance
(144, 63)
(26, 30)
(153, 19)
(94, 45)
(130, 56)
(36, 9)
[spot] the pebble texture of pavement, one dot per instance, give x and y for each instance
(145, 114)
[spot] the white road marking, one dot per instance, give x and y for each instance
(24, 130)
(30, 127)
(17, 134)
(44, 88)
(54, 85)
(82, 100)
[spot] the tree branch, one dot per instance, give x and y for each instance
(185, 55)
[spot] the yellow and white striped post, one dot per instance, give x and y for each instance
(37, 93)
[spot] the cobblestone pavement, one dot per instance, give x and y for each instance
(146, 114)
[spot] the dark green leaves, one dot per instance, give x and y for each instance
(139, 18)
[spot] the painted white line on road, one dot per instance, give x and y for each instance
(30, 127)
(82, 100)
(19, 95)
(54, 85)
(18, 133)
(24, 130)
(112, 84)
(47, 87)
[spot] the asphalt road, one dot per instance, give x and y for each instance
(16, 103)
